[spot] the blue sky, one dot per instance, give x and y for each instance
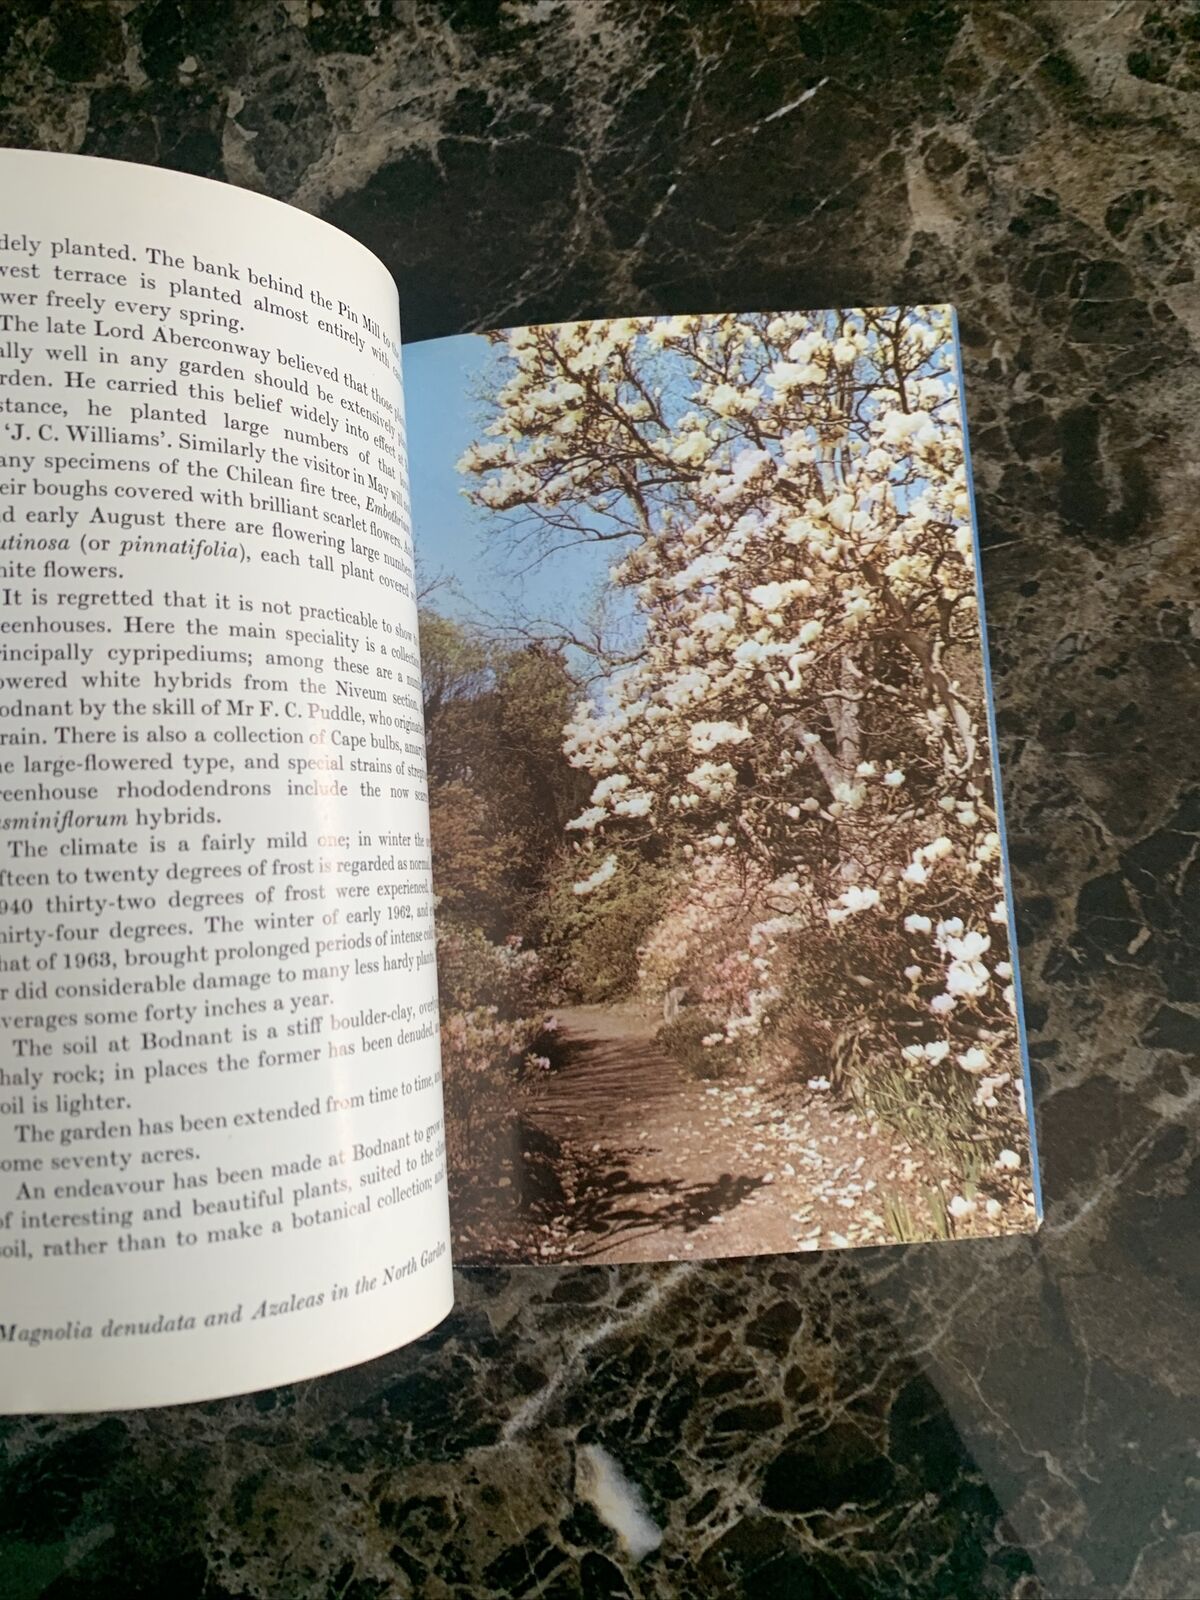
(441, 381)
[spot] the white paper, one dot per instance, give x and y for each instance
(221, 1152)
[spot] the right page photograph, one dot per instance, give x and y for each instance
(725, 940)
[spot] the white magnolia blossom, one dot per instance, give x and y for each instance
(986, 1093)
(706, 736)
(602, 874)
(589, 818)
(852, 901)
(973, 1060)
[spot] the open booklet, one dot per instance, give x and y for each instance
(698, 753)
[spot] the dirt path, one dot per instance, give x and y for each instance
(659, 1165)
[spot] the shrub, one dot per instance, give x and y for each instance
(482, 1059)
(474, 973)
(699, 1045)
(590, 941)
(494, 1030)
(845, 1002)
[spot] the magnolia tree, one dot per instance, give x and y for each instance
(802, 722)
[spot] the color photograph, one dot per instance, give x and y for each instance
(724, 943)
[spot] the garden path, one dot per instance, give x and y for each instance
(655, 1164)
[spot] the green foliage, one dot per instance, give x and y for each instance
(536, 695)
(899, 1220)
(472, 858)
(847, 981)
(473, 974)
(683, 1039)
(456, 666)
(494, 1030)
(837, 974)
(907, 1228)
(482, 1060)
(590, 942)
(942, 1226)
(500, 790)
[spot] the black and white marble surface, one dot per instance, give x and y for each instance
(1013, 1418)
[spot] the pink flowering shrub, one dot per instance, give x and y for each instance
(703, 949)
(698, 1043)
(474, 972)
(494, 1030)
(482, 1056)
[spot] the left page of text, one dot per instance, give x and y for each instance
(221, 1148)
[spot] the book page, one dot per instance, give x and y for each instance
(221, 1143)
(725, 942)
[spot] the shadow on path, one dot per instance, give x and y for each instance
(619, 1155)
(603, 1141)
(608, 1203)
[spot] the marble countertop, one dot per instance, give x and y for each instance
(1015, 1418)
